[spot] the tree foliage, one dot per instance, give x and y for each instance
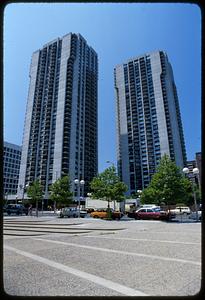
(35, 192)
(60, 191)
(168, 185)
(149, 195)
(107, 186)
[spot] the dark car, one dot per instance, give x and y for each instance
(152, 213)
(17, 209)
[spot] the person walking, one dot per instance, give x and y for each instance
(30, 210)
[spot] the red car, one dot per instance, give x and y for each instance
(151, 213)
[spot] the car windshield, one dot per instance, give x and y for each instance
(11, 206)
(142, 210)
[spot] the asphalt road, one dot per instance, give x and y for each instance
(48, 256)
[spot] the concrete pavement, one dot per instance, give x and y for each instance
(101, 258)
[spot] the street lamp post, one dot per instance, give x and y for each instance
(87, 200)
(6, 197)
(22, 187)
(42, 204)
(195, 171)
(139, 195)
(78, 184)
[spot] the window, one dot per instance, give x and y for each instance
(142, 210)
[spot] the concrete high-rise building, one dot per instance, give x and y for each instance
(148, 118)
(60, 130)
(198, 164)
(191, 164)
(11, 164)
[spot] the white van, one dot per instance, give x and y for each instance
(181, 210)
(71, 212)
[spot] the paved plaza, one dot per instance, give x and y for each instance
(48, 256)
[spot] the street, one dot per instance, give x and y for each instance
(48, 256)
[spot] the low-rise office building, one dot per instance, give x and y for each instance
(11, 167)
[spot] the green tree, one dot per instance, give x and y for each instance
(35, 192)
(107, 186)
(149, 195)
(60, 191)
(168, 185)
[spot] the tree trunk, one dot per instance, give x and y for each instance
(36, 208)
(109, 214)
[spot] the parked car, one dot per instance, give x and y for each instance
(193, 215)
(102, 213)
(70, 212)
(152, 213)
(17, 209)
(181, 210)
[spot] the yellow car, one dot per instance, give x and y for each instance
(102, 214)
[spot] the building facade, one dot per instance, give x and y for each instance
(60, 130)
(191, 164)
(198, 164)
(11, 168)
(148, 118)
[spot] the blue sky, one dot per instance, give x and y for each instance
(117, 32)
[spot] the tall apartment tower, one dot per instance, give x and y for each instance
(148, 118)
(60, 129)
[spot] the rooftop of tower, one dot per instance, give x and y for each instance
(59, 38)
(139, 56)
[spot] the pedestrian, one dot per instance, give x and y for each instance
(30, 210)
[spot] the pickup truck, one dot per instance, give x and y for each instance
(70, 212)
(103, 214)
